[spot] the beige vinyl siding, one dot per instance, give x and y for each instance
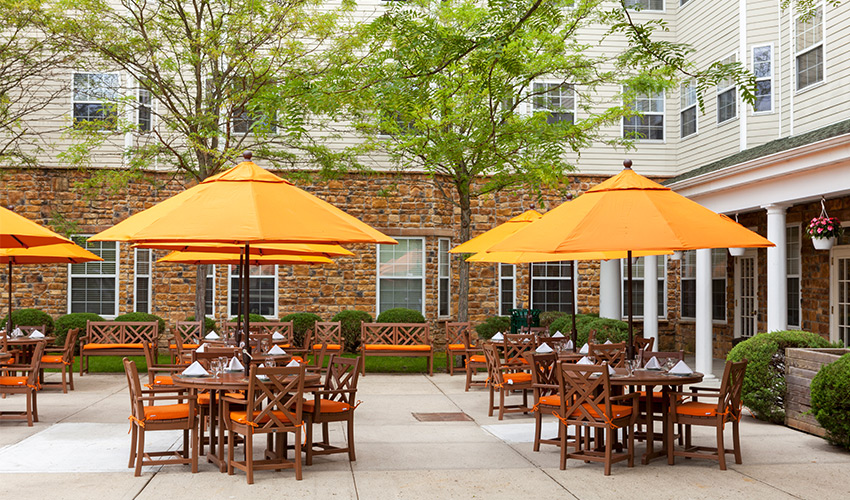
(763, 29)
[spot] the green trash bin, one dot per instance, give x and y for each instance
(524, 317)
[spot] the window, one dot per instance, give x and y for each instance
(637, 287)
(249, 121)
(143, 280)
(552, 286)
(792, 273)
(809, 46)
(507, 289)
(558, 100)
(94, 99)
(727, 96)
(93, 286)
(688, 115)
(650, 124)
(145, 110)
(444, 271)
(209, 299)
(718, 284)
(645, 4)
(682, 2)
(262, 285)
(401, 275)
(763, 71)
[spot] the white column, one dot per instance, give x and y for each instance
(704, 346)
(777, 282)
(650, 298)
(609, 289)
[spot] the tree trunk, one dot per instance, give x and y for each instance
(201, 293)
(463, 288)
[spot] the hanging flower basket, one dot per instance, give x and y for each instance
(737, 251)
(823, 230)
(823, 243)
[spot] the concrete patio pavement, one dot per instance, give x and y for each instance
(80, 447)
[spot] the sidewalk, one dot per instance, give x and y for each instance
(80, 450)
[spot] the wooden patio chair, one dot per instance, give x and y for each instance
(26, 383)
(660, 404)
(455, 343)
(274, 401)
(587, 403)
(641, 343)
(505, 379)
(475, 361)
(335, 402)
(613, 354)
(544, 383)
(145, 416)
(327, 335)
(62, 359)
(515, 347)
(188, 335)
(159, 375)
(726, 409)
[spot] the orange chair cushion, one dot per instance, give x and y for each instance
(696, 409)
(620, 411)
(553, 400)
(457, 347)
(478, 358)
(167, 412)
(517, 360)
(327, 406)
(655, 395)
(299, 359)
(204, 398)
(517, 378)
(13, 380)
(331, 347)
(113, 346)
(241, 417)
(398, 347)
(163, 380)
(51, 358)
(185, 346)
(284, 346)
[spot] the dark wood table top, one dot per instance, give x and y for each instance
(651, 378)
(28, 340)
(232, 381)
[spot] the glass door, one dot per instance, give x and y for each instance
(747, 288)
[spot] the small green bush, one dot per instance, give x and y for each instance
(831, 400)
(209, 323)
(350, 322)
(69, 321)
(548, 317)
(253, 318)
(141, 316)
(29, 317)
(615, 330)
(400, 315)
(492, 325)
(301, 324)
(764, 383)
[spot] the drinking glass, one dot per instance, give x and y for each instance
(670, 363)
(631, 366)
(215, 366)
(270, 362)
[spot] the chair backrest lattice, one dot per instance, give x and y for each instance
(210, 353)
(613, 354)
(275, 397)
(641, 343)
(585, 392)
(285, 328)
(70, 346)
(516, 345)
(494, 365)
(730, 388)
(544, 377)
(189, 332)
(122, 332)
(137, 409)
(455, 332)
(327, 332)
(395, 333)
(342, 377)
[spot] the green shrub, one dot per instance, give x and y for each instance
(547, 317)
(209, 323)
(141, 316)
(301, 324)
(400, 315)
(492, 325)
(350, 323)
(253, 318)
(764, 383)
(615, 330)
(831, 400)
(69, 321)
(30, 317)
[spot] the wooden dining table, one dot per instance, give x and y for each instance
(217, 385)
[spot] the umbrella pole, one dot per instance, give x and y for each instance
(9, 322)
(630, 348)
(573, 303)
(528, 316)
(239, 301)
(246, 321)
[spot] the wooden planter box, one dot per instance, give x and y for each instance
(801, 366)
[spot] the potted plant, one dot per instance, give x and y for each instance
(737, 251)
(823, 230)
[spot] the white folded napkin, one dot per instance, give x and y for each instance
(276, 350)
(293, 363)
(611, 370)
(234, 365)
(36, 335)
(201, 348)
(498, 336)
(584, 349)
(212, 336)
(584, 361)
(277, 336)
(608, 341)
(681, 368)
(543, 348)
(558, 334)
(17, 332)
(569, 344)
(195, 370)
(652, 364)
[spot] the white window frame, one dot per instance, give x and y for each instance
(719, 273)
(662, 276)
(573, 284)
(140, 106)
(769, 78)
(378, 276)
(444, 261)
(725, 87)
(648, 8)
(117, 268)
(799, 52)
(137, 275)
(793, 251)
(117, 96)
(512, 279)
(687, 273)
(562, 95)
(688, 91)
(211, 288)
(231, 292)
(643, 114)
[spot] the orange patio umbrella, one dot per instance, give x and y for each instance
(237, 259)
(20, 232)
(630, 213)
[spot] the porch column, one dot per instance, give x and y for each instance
(703, 346)
(777, 281)
(650, 298)
(609, 289)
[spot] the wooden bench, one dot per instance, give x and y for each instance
(396, 339)
(117, 338)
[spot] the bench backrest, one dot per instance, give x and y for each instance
(394, 333)
(121, 332)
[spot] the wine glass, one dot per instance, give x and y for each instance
(670, 363)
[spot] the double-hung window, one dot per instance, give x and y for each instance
(809, 48)
(144, 111)
(688, 284)
(95, 99)
(262, 286)
(649, 125)
(401, 275)
(558, 100)
(688, 115)
(727, 95)
(444, 271)
(792, 273)
(763, 71)
(507, 289)
(143, 280)
(657, 5)
(637, 286)
(552, 286)
(93, 286)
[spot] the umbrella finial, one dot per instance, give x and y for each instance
(247, 155)
(569, 197)
(627, 164)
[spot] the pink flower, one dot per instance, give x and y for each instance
(820, 230)
(829, 228)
